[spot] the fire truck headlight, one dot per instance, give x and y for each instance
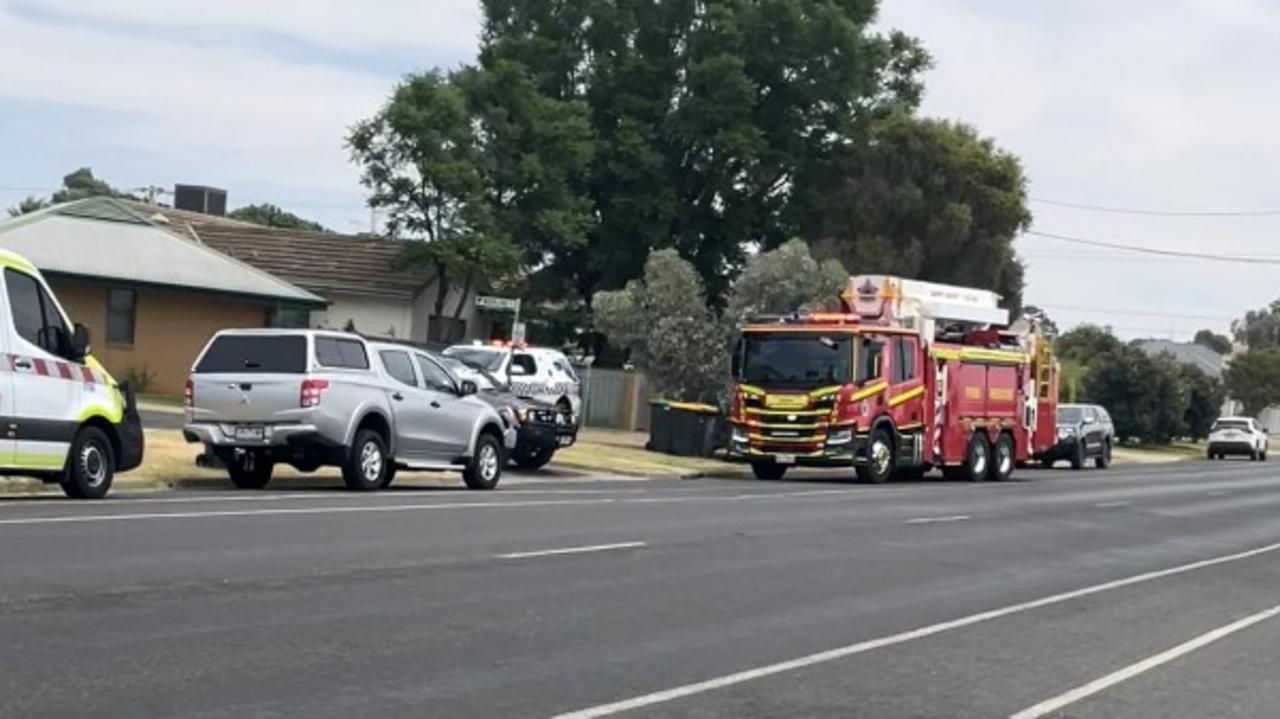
(840, 436)
(739, 436)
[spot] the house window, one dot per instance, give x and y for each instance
(122, 306)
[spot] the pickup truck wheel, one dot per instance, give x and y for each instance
(250, 470)
(1104, 458)
(533, 457)
(484, 469)
(91, 465)
(366, 467)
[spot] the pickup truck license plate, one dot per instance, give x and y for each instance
(252, 434)
(784, 458)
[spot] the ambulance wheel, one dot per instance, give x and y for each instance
(91, 465)
(250, 470)
(768, 470)
(1003, 459)
(977, 458)
(880, 464)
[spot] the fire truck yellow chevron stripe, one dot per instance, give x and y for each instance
(871, 391)
(909, 394)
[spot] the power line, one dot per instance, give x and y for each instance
(1156, 213)
(1238, 259)
(1134, 312)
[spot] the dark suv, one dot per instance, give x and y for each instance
(1084, 430)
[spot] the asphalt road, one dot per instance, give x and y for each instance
(1142, 592)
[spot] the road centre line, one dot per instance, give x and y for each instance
(830, 655)
(571, 550)
(1065, 699)
(938, 520)
(1108, 505)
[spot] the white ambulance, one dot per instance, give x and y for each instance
(63, 418)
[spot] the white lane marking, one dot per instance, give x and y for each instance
(151, 498)
(294, 510)
(1071, 697)
(571, 550)
(938, 520)
(1108, 505)
(831, 655)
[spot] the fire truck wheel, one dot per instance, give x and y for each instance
(1003, 459)
(880, 459)
(977, 459)
(768, 470)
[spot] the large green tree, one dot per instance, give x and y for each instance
(1205, 396)
(1253, 378)
(28, 204)
(701, 115)
(922, 198)
(783, 281)
(1145, 395)
(1259, 329)
(268, 215)
(1214, 341)
(422, 159)
(1084, 342)
(663, 320)
(76, 185)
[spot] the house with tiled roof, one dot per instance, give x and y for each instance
(355, 274)
(150, 297)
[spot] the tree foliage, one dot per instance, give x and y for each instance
(1253, 378)
(28, 204)
(268, 215)
(1145, 395)
(783, 281)
(1259, 329)
(1085, 342)
(1041, 320)
(1214, 341)
(422, 159)
(922, 198)
(81, 183)
(662, 318)
(1205, 396)
(700, 116)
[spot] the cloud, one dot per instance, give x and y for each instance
(1135, 104)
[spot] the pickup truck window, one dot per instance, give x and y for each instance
(399, 366)
(341, 353)
(434, 376)
(285, 354)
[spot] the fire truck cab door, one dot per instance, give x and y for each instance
(906, 383)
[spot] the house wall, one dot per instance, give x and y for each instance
(170, 328)
(479, 325)
(375, 317)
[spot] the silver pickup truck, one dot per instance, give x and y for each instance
(309, 398)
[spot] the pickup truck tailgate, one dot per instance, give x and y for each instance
(246, 398)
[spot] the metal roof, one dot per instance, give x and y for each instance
(1199, 356)
(102, 238)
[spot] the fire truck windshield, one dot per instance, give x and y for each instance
(799, 359)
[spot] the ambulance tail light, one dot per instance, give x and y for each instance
(311, 392)
(189, 394)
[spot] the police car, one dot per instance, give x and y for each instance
(535, 373)
(63, 418)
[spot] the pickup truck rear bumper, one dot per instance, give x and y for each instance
(220, 434)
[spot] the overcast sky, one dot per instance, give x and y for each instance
(1139, 104)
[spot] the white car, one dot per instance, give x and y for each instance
(1237, 435)
(535, 373)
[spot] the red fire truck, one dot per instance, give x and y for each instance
(910, 376)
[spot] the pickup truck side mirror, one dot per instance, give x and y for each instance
(468, 387)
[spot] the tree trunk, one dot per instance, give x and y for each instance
(442, 294)
(466, 293)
